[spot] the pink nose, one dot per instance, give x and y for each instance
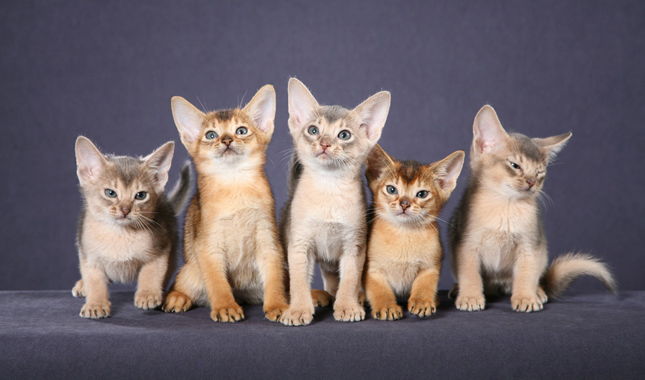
(227, 141)
(530, 182)
(325, 145)
(125, 210)
(405, 204)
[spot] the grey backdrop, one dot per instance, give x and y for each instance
(107, 70)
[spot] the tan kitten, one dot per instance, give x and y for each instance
(127, 229)
(498, 243)
(231, 243)
(324, 219)
(404, 252)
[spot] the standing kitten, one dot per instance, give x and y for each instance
(496, 233)
(324, 218)
(127, 229)
(404, 252)
(231, 243)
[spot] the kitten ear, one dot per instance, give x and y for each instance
(89, 160)
(188, 120)
(372, 114)
(448, 169)
(552, 145)
(159, 162)
(488, 133)
(302, 104)
(262, 109)
(376, 162)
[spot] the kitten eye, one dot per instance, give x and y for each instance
(141, 195)
(344, 135)
(422, 194)
(210, 135)
(313, 130)
(514, 165)
(241, 131)
(391, 189)
(110, 193)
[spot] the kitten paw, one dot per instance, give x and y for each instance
(147, 300)
(274, 312)
(229, 313)
(78, 290)
(470, 303)
(177, 302)
(526, 303)
(295, 317)
(387, 312)
(96, 311)
(321, 298)
(422, 307)
(349, 313)
(542, 295)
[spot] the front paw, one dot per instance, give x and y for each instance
(78, 290)
(96, 310)
(274, 312)
(228, 313)
(349, 313)
(473, 302)
(177, 302)
(147, 300)
(422, 307)
(321, 298)
(526, 302)
(297, 317)
(387, 312)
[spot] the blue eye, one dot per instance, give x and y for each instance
(110, 193)
(514, 165)
(210, 135)
(241, 131)
(344, 135)
(141, 195)
(313, 130)
(391, 189)
(422, 194)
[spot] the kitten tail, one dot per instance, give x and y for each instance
(180, 194)
(566, 268)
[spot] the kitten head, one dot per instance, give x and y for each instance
(230, 139)
(332, 138)
(512, 165)
(409, 192)
(122, 190)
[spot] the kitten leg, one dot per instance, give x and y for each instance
(301, 308)
(150, 282)
(220, 294)
(381, 297)
(423, 299)
(275, 299)
(527, 271)
(330, 282)
(346, 307)
(97, 301)
(469, 280)
(183, 293)
(78, 290)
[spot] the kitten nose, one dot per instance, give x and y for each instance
(125, 210)
(325, 144)
(405, 204)
(227, 140)
(530, 182)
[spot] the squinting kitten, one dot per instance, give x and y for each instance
(231, 243)
(404, 252)
(498, 243)
(127, 229)
(324, 218)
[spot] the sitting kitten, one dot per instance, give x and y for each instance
(127, 229)
(231, 243)
(498, 243)
(404, 252)
(324, 218)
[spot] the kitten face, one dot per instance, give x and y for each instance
(409, 192)
(512, 165)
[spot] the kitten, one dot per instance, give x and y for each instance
(231, 244)
(404, 252)
(127, 228)
(324, 217)
(496, 233)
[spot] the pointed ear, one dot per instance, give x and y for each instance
(372, 114)
(553, 145)
(488, 133)
(89, 160)
(376, 162)
(448, 169)
(159, 162)
(302, 104)
(262, 109)
(188, 119)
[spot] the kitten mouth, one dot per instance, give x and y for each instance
(323, 154)
(228, 151)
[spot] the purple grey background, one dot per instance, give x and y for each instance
(107, 70)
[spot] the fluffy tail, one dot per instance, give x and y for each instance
(180, 195)
(566, 268)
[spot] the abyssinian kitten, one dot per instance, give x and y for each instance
(324, 219)
(231, 245)
(127, 228)
(404, 252)
(498, 242)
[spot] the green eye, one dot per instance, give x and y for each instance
(210, 135)
(514, 165)
(391, 189)
(344, 135)
(110, 193)
(313, 130)
(422, 194)
(241, 131)
(141, 195)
